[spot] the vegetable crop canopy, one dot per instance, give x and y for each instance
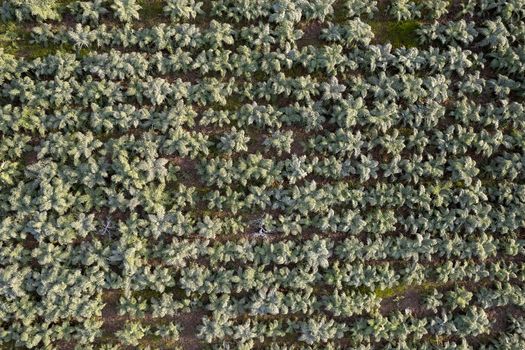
(262, 174)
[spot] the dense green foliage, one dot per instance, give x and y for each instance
(262, 174)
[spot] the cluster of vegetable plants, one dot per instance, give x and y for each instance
(262, 174)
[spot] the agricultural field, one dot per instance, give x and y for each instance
(262, 174)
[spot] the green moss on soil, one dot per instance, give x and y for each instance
(340, 12)
(152, 10)
(399, 34)
(403, 288)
